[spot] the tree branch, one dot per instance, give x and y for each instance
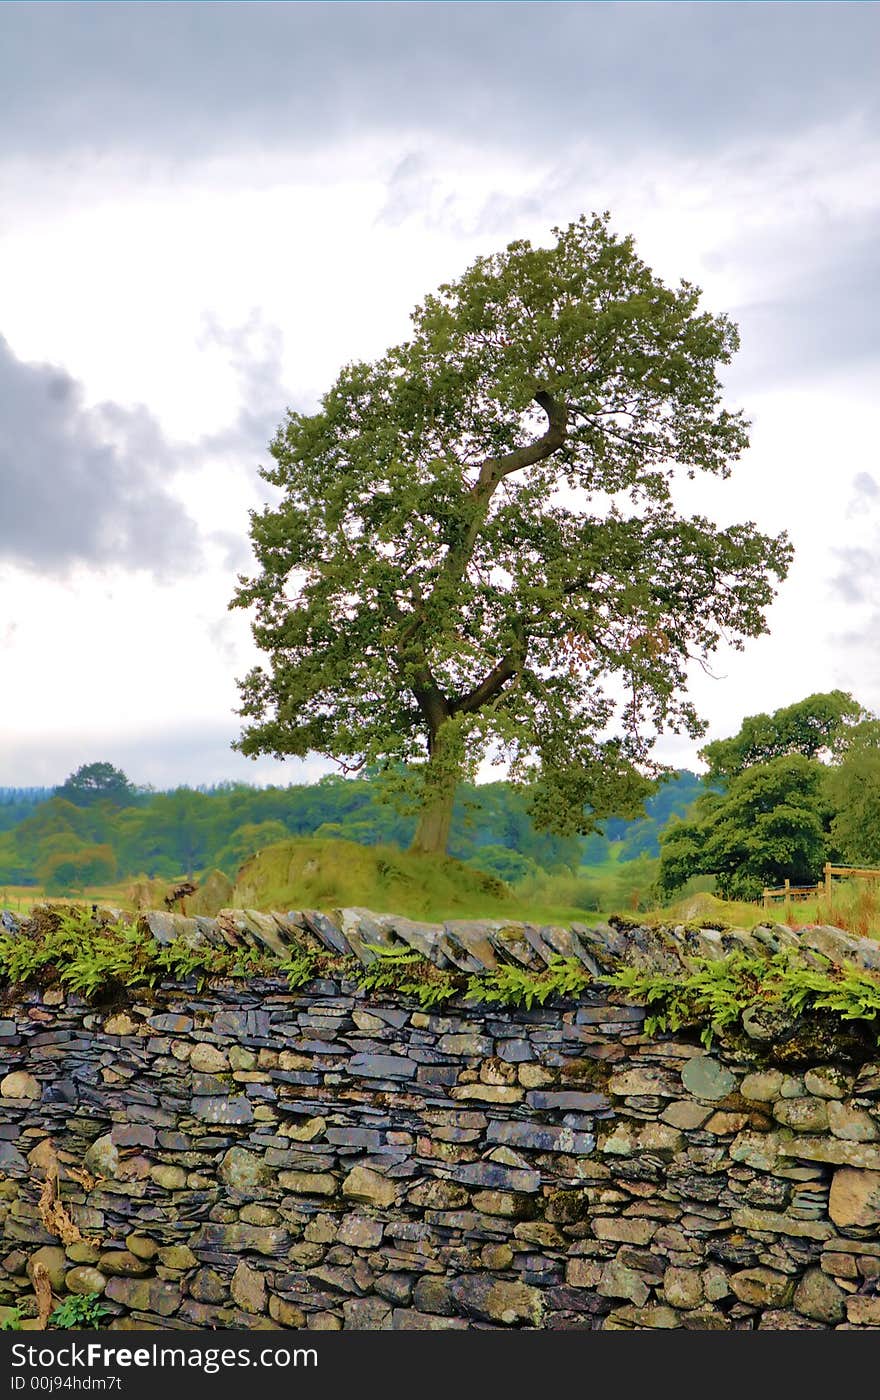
(494, 469)
(488, 688)
(509, 665)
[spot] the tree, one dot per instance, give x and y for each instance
(96, 782)
(771, 824)
(821, 725)
(75, 869)
(853, 789)
(477, 549)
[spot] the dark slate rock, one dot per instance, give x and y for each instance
(566, 1099)
(355, 1137)
(60, 1091)
(541, 1137)
(585, 954)
(236, 1238)
(241, 1025)
(424, 938)
(223, 1110)
(543, 950)
(133, 1135)
(172, 1024)
(325, 930)
(578, 1300)
(11, 1160)
(608, 1015)
(260, 1091)
(437, 1074)
(161, 1117)
(392, 1016)
(493, 1176)
(515, 1051)
(206, 1085)
(382, 1066)
(364, 932)
(164, 927)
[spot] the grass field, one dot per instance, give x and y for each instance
(329, 874)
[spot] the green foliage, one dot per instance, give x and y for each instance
(79, 1310)
(407, 973)
(12, 1322)
(770, 825)
(615, 885)
(167, 834)
(444, 576)
(301, 967)
(516, 986)
(246, 841)
(74, 870)
(673, 798)
(96, 782)
(853, 791)
(715, 994)
(328, 874)
(95, 958)
(818, 726)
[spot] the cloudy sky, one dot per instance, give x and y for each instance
(206, 208)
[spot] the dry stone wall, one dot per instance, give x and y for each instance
(249, 1158)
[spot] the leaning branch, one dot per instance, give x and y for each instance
(494, 469)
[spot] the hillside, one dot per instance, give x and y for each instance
(327, 874)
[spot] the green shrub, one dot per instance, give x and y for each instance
(79, 1310)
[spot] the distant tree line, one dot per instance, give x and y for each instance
(98, 827)
(784, 794)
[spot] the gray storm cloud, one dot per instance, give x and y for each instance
(198, 78)
(94, 485)
(80, 484)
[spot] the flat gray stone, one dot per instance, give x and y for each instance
(707, 1078)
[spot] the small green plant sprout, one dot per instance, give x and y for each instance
(12, 1321)
(79, 1310)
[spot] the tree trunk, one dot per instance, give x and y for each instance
(441, 780)
(432, 830)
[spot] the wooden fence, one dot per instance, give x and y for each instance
(788, 891)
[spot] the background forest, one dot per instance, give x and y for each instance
(786, 793)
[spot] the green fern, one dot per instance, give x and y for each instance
(715, 995)
(408, 973)
(303, 966)
(516, 986)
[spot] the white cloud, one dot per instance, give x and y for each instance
(198, 266)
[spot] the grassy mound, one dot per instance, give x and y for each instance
(311, 873)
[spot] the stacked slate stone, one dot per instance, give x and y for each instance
(249, 1157)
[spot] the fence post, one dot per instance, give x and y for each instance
(787, 900)
(828, 879)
